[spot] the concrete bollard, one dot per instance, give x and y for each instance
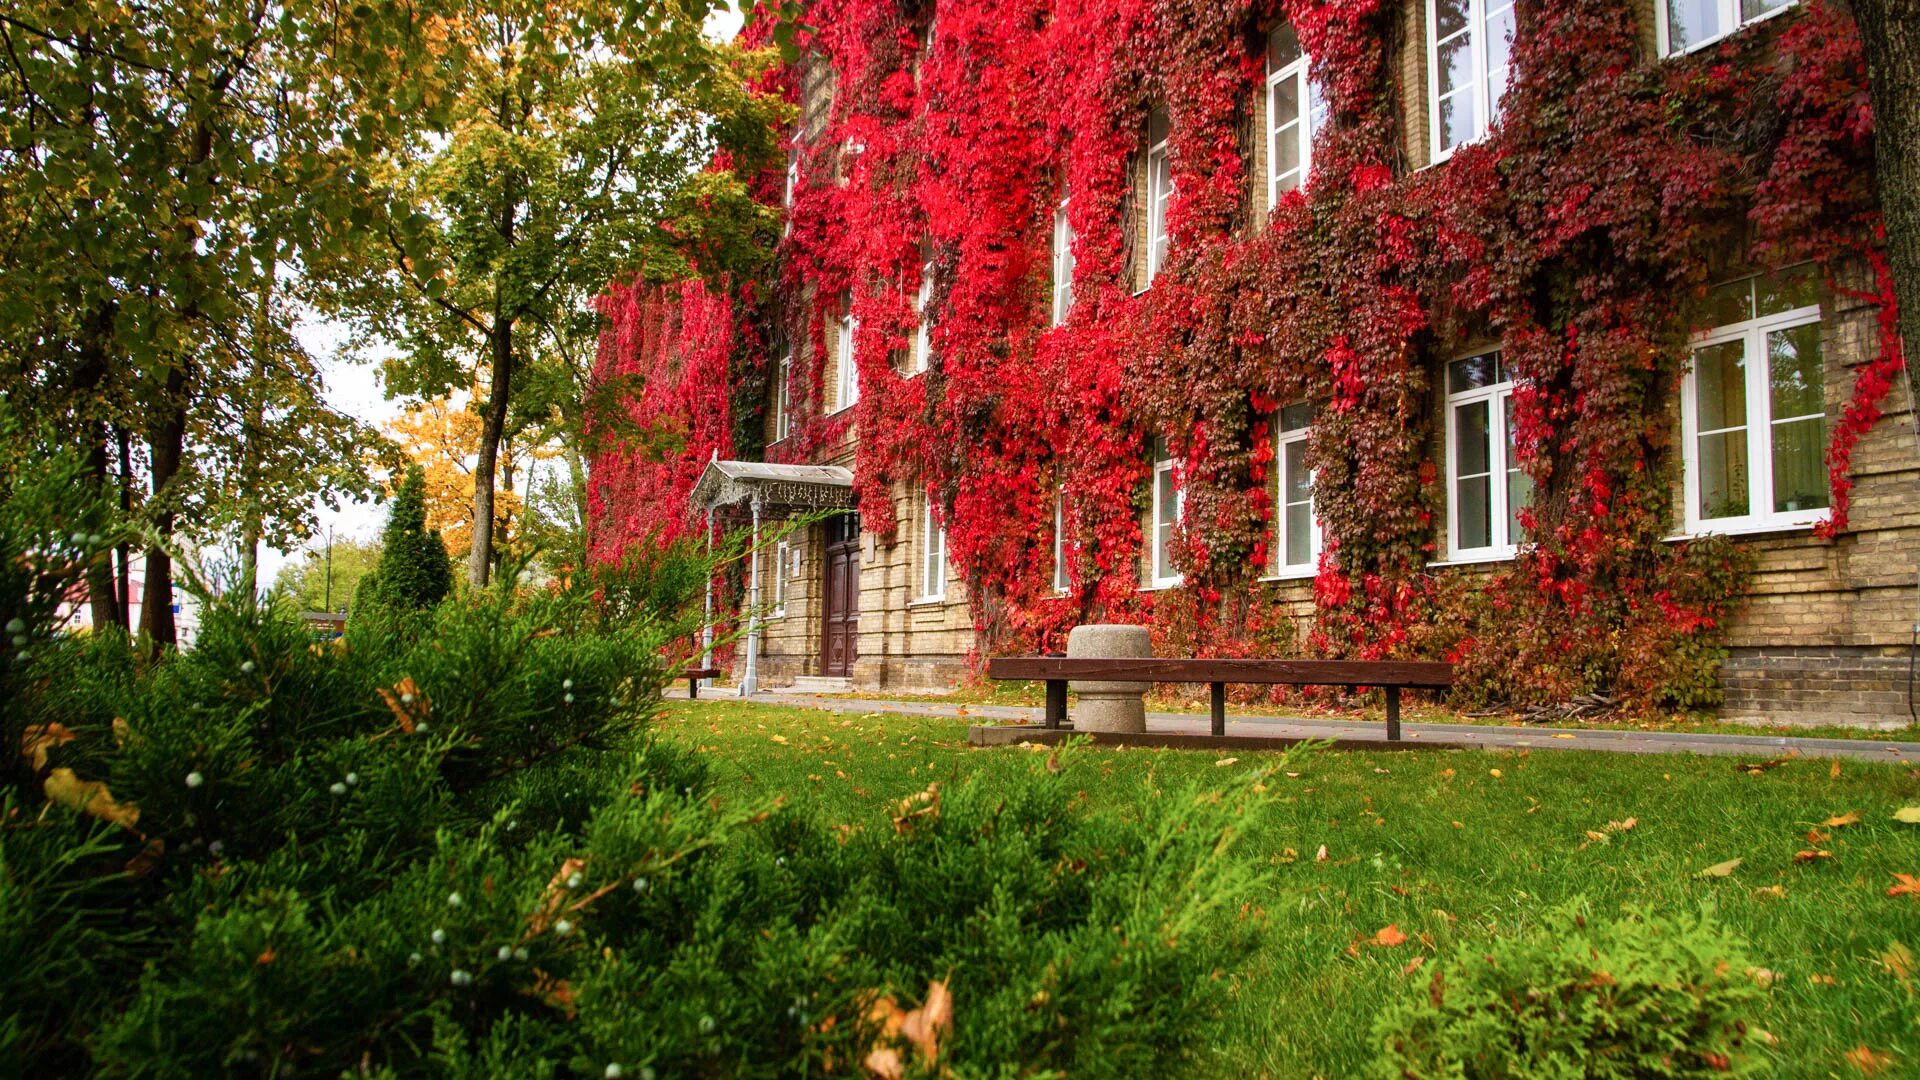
(1110, 706)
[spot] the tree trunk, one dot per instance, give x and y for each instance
(91, 382)
(123, 582)
(251, 434)
(166, 441)
(1890, 33)
(494, 422)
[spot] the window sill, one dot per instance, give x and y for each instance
(927, 602)
(838, 411)
(1750, 529)
(1159, 586)
(1291, 575)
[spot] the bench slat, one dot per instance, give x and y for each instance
(1424, 674)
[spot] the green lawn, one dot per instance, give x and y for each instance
(1452, 847)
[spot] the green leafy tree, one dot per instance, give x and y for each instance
(304, 579)
(414, 571)
(579, 150)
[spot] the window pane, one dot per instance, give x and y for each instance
(1796, 379)
(1163, 502)
(1299, 535)
(1499, 39)
(1449, 17)
(1296, 480)
(1473, 373)
(1455, 66)
(1753, 9)
(1470, 428)
(1792, 288)
(1157, 127)
(1283, 47)
(1456, 120)
(1720, 386)
(1730, 303)
(1474, 514)
(1519, 497)
(1296, 417)
(1723, 474)
(1690, 22)
(1799, 475)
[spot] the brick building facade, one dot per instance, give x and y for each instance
(1825, 631)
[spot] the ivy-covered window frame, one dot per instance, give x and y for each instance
(1685, 26)
(933, 556)
(1169, 504)
(1062, 264)
(1755, 391)
(783, 396)
(1475, 37)
(1062, 576)
(1159, 191)
(1486, 487)
(1295, 113)
(1296, 527)
(846, 370)
(923, 329)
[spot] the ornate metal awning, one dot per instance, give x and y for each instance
(775, 489)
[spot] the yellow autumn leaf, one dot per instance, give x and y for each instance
(1226, 761)
(1851, 817)
(89, 796)
(1907, 815)
(1719, 870)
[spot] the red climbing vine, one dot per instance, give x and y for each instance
(1578, 238)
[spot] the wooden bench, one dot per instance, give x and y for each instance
(693, 677)
(1390, 675)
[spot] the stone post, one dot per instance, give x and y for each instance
(1110, 706)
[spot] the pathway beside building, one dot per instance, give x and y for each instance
(1761, 746)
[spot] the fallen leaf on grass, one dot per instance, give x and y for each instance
(1835, 771)
(1866, 1060)
(1755, 768)
(1815, 836)
(1718, 870)
(1907, 815)
(1904, 885)
(781, 739)
(89, 796)
(1321, 855)
(1811, 856)
(1388, 936)
(40, 738)
(1225, 761)
(1898, 961)
(1840, 821)
(1823, 980)
(1771, 892)
(1413, 965)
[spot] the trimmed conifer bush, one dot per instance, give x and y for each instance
(1628, 998)
(414, 572)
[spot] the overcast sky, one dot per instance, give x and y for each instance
(353, 387)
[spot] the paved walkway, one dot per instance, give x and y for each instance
(1476, 735)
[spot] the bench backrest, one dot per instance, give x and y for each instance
(1424, 674)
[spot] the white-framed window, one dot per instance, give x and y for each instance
(1686, 25)
(1469, 57)
(783, 553)
(923, 331)
(783, 397)
(1159, 191)
(1169, 501)
(1062, 264)
(1295, 111)
(846, 370)
(1296, 529)
(1062, 577)
(1486, 488)
(1753, 409)
(786, 197)
(933, 555)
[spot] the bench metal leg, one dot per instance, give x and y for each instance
(1219, 708)
(1056, 703)
(693, 689)
(1393, 714)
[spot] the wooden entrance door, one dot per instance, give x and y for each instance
(840, 643)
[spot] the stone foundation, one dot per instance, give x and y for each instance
(1815, 685)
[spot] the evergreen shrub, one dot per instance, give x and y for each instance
(447, 846)
(1634, 997)
(414, 571)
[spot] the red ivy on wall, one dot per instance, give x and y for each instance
(1575, 237)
